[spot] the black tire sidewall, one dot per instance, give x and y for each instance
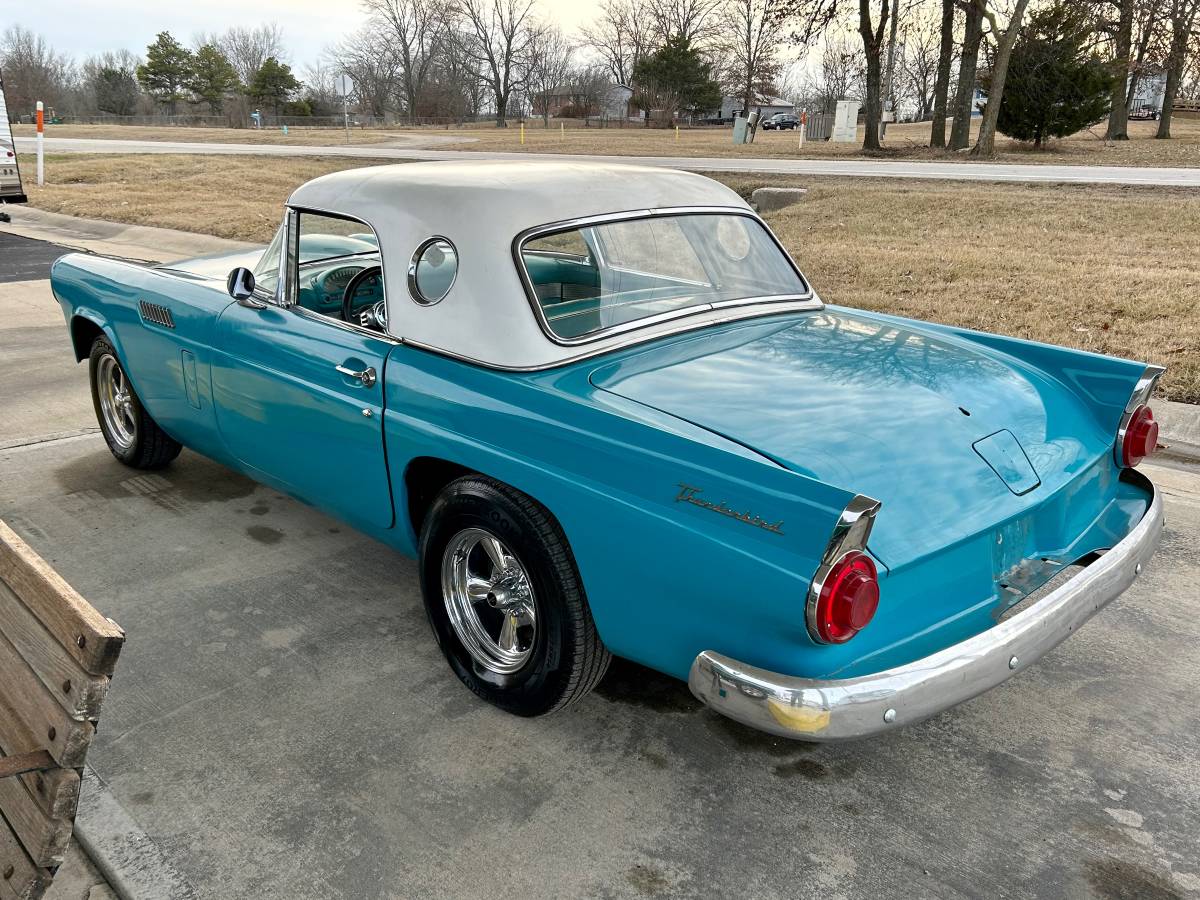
(540, 684)
(101, 347)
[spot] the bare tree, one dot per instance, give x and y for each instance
(695, 20)
(367, 57)
(414, 28)
(1189, 84)
(108, 83)
(1183, 18)
(1149, 30)
(1118, 116)
(248, 48)
(872, 33)
(321, 88)
(590, 88)
(1005, 38)
(750, 47)
(804, 21)
(941, 90)
(919, 60)
(549, 67)
(964, 97)
(33, 70)
(457, 86)
(621, 35)
(497, 34)
(843, 68)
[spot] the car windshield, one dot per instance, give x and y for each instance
(591, 279)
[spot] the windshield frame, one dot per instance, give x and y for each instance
(805, 296)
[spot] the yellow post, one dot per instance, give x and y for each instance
(522, 134)
(562, 130)
(677, 134)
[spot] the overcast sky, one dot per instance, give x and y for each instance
(83, 27)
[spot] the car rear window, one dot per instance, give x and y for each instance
(589, 280)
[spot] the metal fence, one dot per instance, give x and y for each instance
(820, 126)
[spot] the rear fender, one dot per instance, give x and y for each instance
(684, 541)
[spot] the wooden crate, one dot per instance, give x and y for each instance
(57, 654)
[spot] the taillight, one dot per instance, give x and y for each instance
(1141, 437)
(848, 599)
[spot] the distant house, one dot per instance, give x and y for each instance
(764, 103)
(608, 101)
(1150, 90)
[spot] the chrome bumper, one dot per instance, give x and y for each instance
(834, 710)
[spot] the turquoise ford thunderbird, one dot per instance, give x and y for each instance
(608, 415)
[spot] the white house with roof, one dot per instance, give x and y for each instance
(768, 105)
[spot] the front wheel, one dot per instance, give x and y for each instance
(131, 434)
(505, 600)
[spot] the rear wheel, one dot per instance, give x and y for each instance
(505, 600)
(131, 434)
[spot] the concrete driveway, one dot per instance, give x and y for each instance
(282, 725)
(868, 168)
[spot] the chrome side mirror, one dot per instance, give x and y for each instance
(241, 287)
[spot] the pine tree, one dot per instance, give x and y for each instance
(273, 83)
(165, 72)
(1056, 86)
(676, 77)
(213, 76)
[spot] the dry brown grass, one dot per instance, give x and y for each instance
(903, 142)
(239, 197)
(1104, 268)
(308, 137)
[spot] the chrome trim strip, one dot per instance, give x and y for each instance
(808, 297)
(345, 326)
(849, 535)
(741, 314)
(1141, 394)
(840, 709)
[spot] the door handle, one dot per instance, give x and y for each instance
(366, 376)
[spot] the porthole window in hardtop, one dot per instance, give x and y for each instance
(432, 271)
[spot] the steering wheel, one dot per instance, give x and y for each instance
(368, 316)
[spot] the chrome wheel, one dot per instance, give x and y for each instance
(489, 600)
(116, 401)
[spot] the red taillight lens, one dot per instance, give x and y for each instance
(1141, 437)
(848, 599)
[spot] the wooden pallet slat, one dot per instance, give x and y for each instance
(36, 710)
(44, 838)
(79, 692)
(94, 641)
(20, 879)
(56, 656)
(56, 790)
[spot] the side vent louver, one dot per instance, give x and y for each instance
(159, 315)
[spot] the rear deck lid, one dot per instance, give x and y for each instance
(936, 429)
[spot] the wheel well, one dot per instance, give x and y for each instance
(423, 481)
(83, 334)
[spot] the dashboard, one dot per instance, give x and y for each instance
(322, 285)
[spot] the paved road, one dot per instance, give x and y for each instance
(25, 259)
(1179, 177)
(283, 726)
